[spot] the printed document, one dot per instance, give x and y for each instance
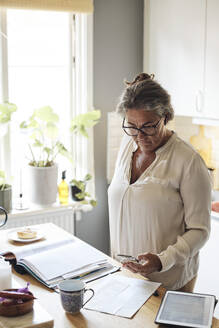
(121, 296)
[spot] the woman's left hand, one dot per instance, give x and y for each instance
(152, 264)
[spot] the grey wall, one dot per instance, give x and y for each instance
(118, 55)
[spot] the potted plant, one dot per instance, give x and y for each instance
(79, 193)
(5, 192)
(44, 148)
(6, 110)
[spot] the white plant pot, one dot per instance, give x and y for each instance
(6, 198)
(43, 184)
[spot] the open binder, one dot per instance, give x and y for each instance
(52, 261)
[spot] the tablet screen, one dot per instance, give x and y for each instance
(186, 309)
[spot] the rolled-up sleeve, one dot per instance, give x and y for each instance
(195, 190)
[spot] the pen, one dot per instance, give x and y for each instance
(88, 273)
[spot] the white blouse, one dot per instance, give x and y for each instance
(165, 212)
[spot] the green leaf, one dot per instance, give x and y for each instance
(4, 118)
(47, 150)
(83, 131)
(83, 121)
(80, 195)
(88, 177)
(6, 110)
(23, 125)
(36, 135)
(63, 151)
(2, 174)
(79, 184)
(33, 124)
(93, 202)
(37, 143)
(93, 115)
(59, 145)
(66, 154)
(84, 201)
(46, 114)
(51, 130)
(7, 107)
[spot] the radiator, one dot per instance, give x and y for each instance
(62, 217)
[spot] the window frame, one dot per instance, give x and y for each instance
(80, 83)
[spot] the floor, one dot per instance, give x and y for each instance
(208, 275)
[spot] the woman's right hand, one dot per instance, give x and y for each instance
(151, 263)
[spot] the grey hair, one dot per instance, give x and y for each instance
(147, 94)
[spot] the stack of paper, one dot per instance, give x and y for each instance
(120, 295)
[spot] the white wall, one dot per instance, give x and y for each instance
(118, 55)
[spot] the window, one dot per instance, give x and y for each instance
(47, 64)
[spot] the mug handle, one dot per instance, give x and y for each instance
(6, 216)
(92, 291)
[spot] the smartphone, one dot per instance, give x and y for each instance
(126, 258)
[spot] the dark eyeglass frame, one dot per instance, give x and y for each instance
(140, 129)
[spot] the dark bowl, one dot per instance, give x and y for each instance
(16, 309)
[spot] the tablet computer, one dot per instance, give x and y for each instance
(186, 309)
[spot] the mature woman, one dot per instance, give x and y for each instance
(160, 195)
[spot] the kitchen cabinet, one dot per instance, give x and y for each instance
(176, 51)
(182, 50)
(212, 64)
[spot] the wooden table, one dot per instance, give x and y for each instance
(50, 301)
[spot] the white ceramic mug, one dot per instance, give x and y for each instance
(72, 295)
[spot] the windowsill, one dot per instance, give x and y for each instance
(37, 209)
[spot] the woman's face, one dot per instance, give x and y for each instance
(139, 118)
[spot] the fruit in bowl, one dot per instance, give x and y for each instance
(15, 302)
(215, 206)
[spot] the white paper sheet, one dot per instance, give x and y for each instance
(121, 296)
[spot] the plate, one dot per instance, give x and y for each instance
(12, 235)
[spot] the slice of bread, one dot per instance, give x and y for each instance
(27, 233)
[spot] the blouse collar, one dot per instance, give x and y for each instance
(162, 148)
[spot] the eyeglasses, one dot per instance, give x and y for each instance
(149, 130)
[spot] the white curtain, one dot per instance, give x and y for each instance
(83, 102)
(85, 6)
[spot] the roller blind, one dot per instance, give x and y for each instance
(85, 6)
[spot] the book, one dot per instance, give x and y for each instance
(52, 261)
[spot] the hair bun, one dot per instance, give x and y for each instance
(140, 78)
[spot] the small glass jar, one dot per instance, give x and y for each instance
(5, 274)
